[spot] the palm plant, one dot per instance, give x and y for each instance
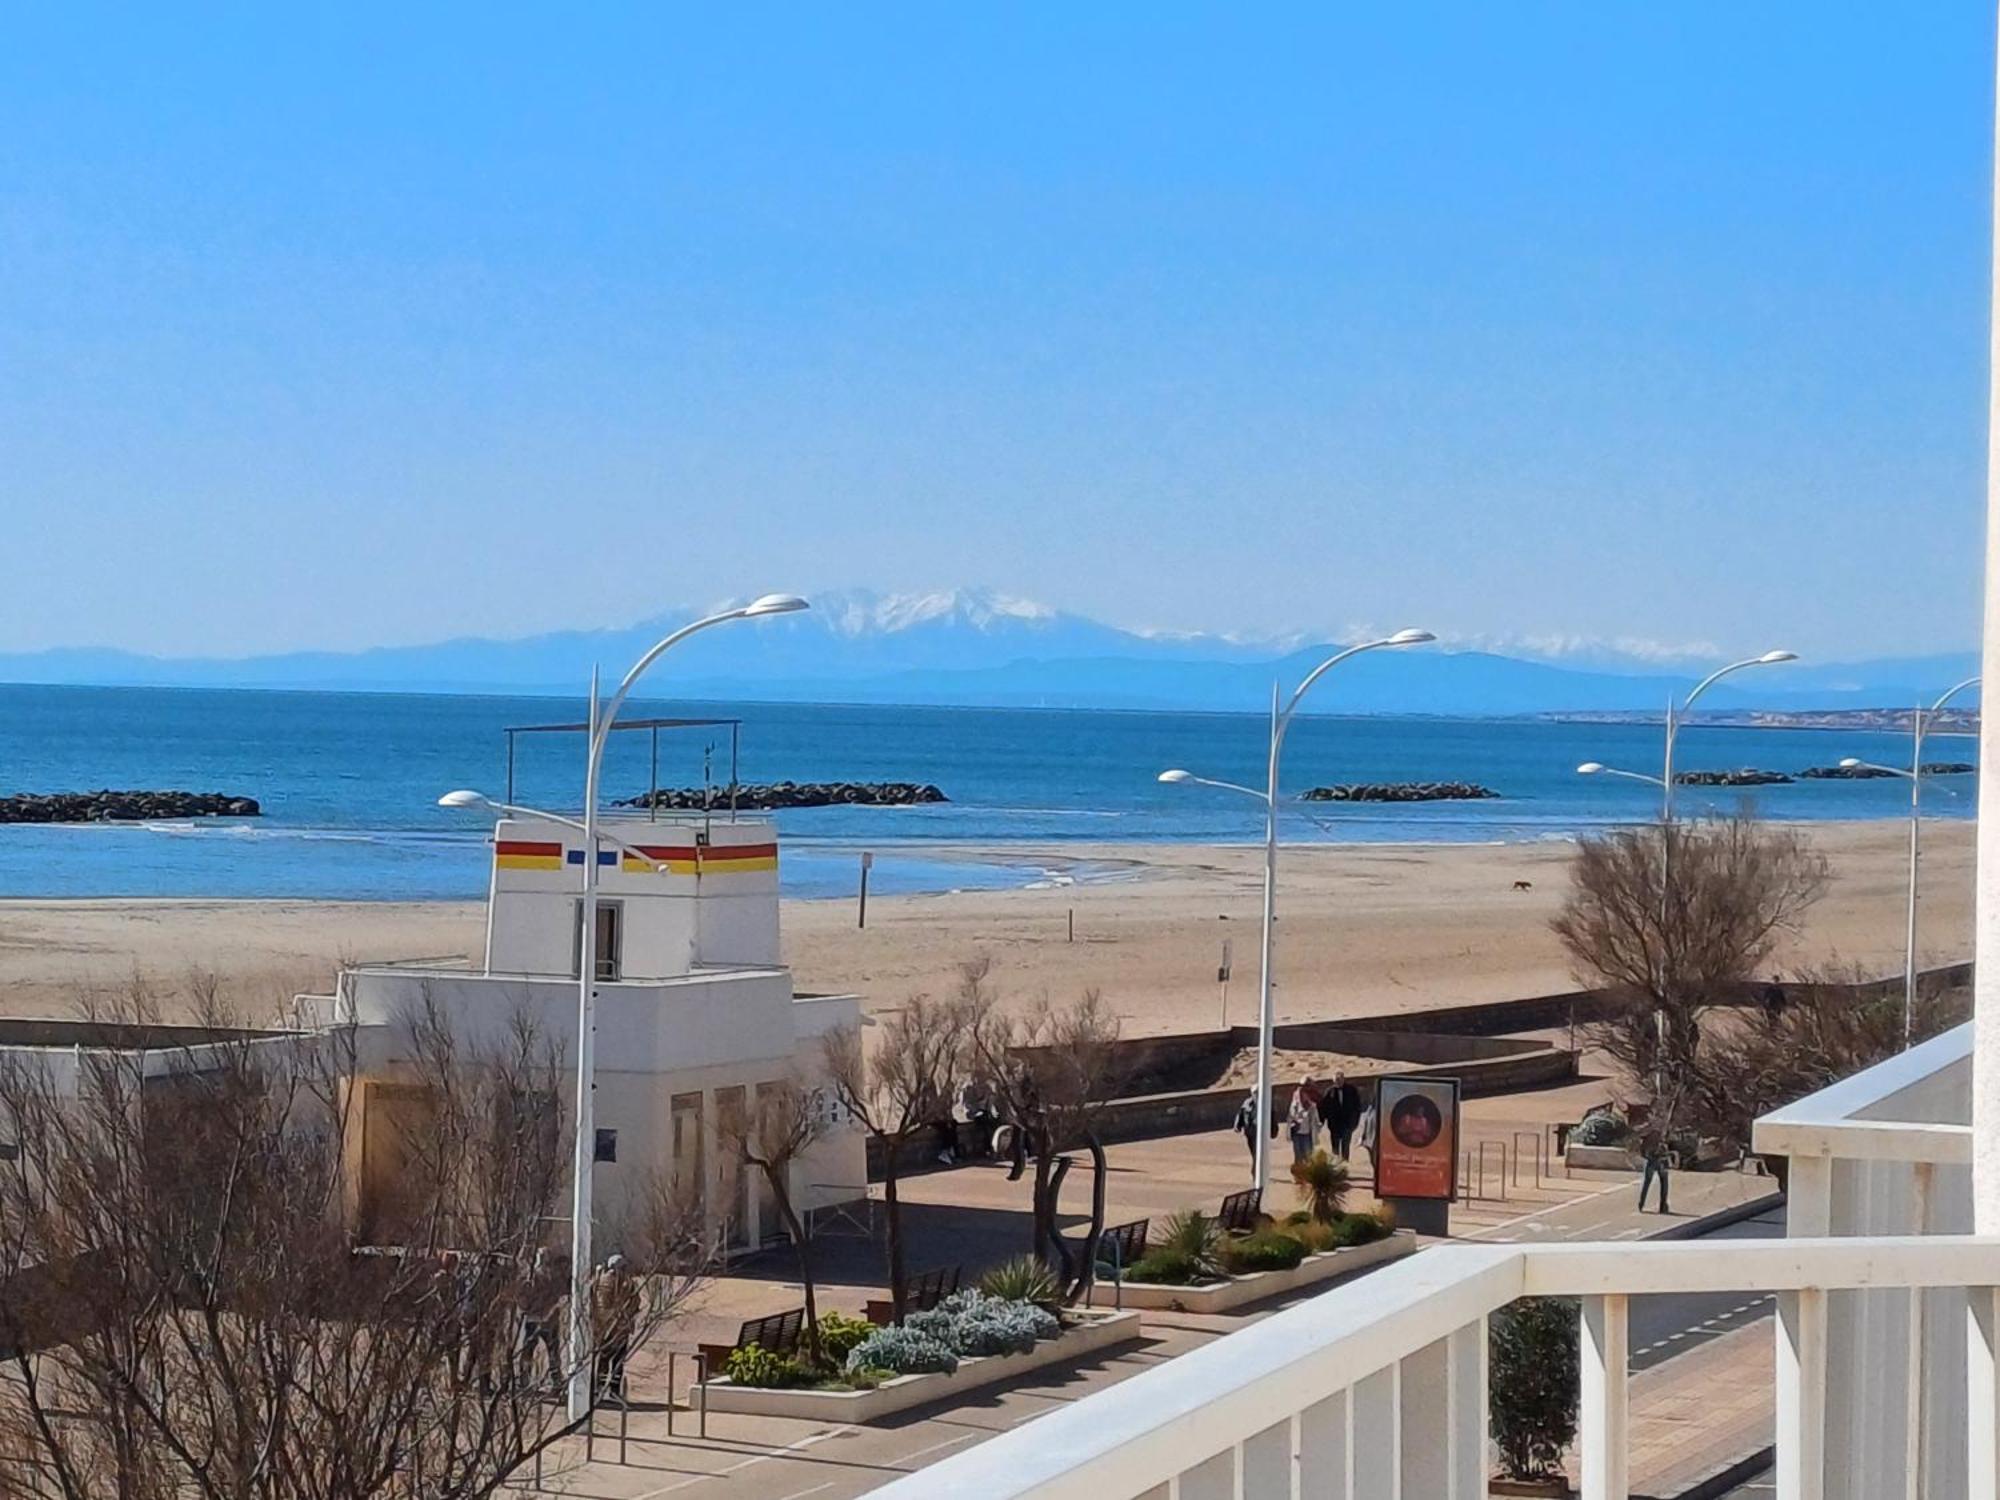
(1194, 1235)
(1322, 1183)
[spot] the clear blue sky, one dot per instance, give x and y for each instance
(1663, 321)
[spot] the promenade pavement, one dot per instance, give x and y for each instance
(972, 1215)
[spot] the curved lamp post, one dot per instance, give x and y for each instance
(601, 720)
(1919, 727)
(1281, 720)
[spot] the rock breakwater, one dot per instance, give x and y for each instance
(123, 807)
(783, 794)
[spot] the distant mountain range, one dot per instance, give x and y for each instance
(982, 649)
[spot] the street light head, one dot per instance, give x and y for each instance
(774, 604)
(1410, 638)
(1772, 658)
(464, 797)
(1176, 777)
(1590, 768)
(1850, 763)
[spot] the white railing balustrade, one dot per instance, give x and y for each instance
(1377, 1390)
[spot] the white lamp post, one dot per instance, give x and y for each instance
(1281, 720)
(1919, 727)
(1768, 659)
(600, 724)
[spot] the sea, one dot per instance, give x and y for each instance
(349, 784)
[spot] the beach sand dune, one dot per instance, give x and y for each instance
(1362, 929)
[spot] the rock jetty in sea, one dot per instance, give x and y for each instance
(1747, 776)
(123, 807)
(1949, 768)
(1400, 791)
(781, 794)
(1845, 773)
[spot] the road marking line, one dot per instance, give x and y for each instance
(801, 1494)
(784, 1452)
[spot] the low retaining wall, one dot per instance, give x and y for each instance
(1241, 1291)
(1100, 1330)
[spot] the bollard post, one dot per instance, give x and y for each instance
(673, 1356)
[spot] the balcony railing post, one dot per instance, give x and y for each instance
(1982, 1392)
(1801, 1395)
(1606, 1448)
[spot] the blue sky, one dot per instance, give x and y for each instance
(1521, 321)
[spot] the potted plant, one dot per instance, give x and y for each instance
(1533, 1392)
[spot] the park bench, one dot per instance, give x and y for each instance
(926, 1290)
(1120, 1246)
(1238, 1214)
(778, 1332)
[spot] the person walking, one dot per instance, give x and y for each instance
(614, 1319)
(541, 1318)
(1654, 1149)
(1303, 1122)
(1370, 1122)
(1246, 1126)
(1340, 1108)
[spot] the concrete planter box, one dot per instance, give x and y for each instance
(1237, 1291)
(1602, 1158)
(1095, 1330)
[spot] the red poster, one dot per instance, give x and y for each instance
(1416, 1138)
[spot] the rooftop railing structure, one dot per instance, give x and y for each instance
(1378, 1390)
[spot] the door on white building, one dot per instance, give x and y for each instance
(770, 1225)
(731, 1203)
(688, 1186)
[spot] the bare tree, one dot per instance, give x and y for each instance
(895, 1091)
(1674, 920)
(1802, 1037)
(184, 1311)
(1053, 1070)
(784, 1123)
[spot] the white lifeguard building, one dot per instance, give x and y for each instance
(695, 1013)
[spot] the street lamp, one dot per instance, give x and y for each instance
(1919, 727)
(601, 720)
(1768, 659)
(1598, 768)
(1281, 720)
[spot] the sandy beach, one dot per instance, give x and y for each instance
(1363, 929)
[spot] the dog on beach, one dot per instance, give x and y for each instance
(1524, 885)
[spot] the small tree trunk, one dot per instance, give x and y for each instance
(802, 1249)
(1065, 1263)
(1099, 1170)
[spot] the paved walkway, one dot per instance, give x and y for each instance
(972, 1216)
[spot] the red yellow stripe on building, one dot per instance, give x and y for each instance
(703, 859)
(527, 854)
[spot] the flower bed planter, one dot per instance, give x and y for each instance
(1556, 1489)
(1221, 1296)
(1094, 1330)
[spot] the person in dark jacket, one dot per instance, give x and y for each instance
(1340, 1108)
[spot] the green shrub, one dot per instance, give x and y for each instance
(1357, 1229)
(1022, 1279)
(839, 1335)
(753, 1364)
(1266, 1250)
(1532, 1384)
(1602, 1128)
(1193, 1236)
(1322, 1182)
(1164, 1267)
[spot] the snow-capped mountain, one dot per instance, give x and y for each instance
(978, 647)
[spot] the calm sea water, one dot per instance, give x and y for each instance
(349, 784)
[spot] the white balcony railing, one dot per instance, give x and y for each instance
(1377, 1391)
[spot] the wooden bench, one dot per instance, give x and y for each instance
(926, 1290)
(1120, 1246)
(1238, 1214)
(779, 1332)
